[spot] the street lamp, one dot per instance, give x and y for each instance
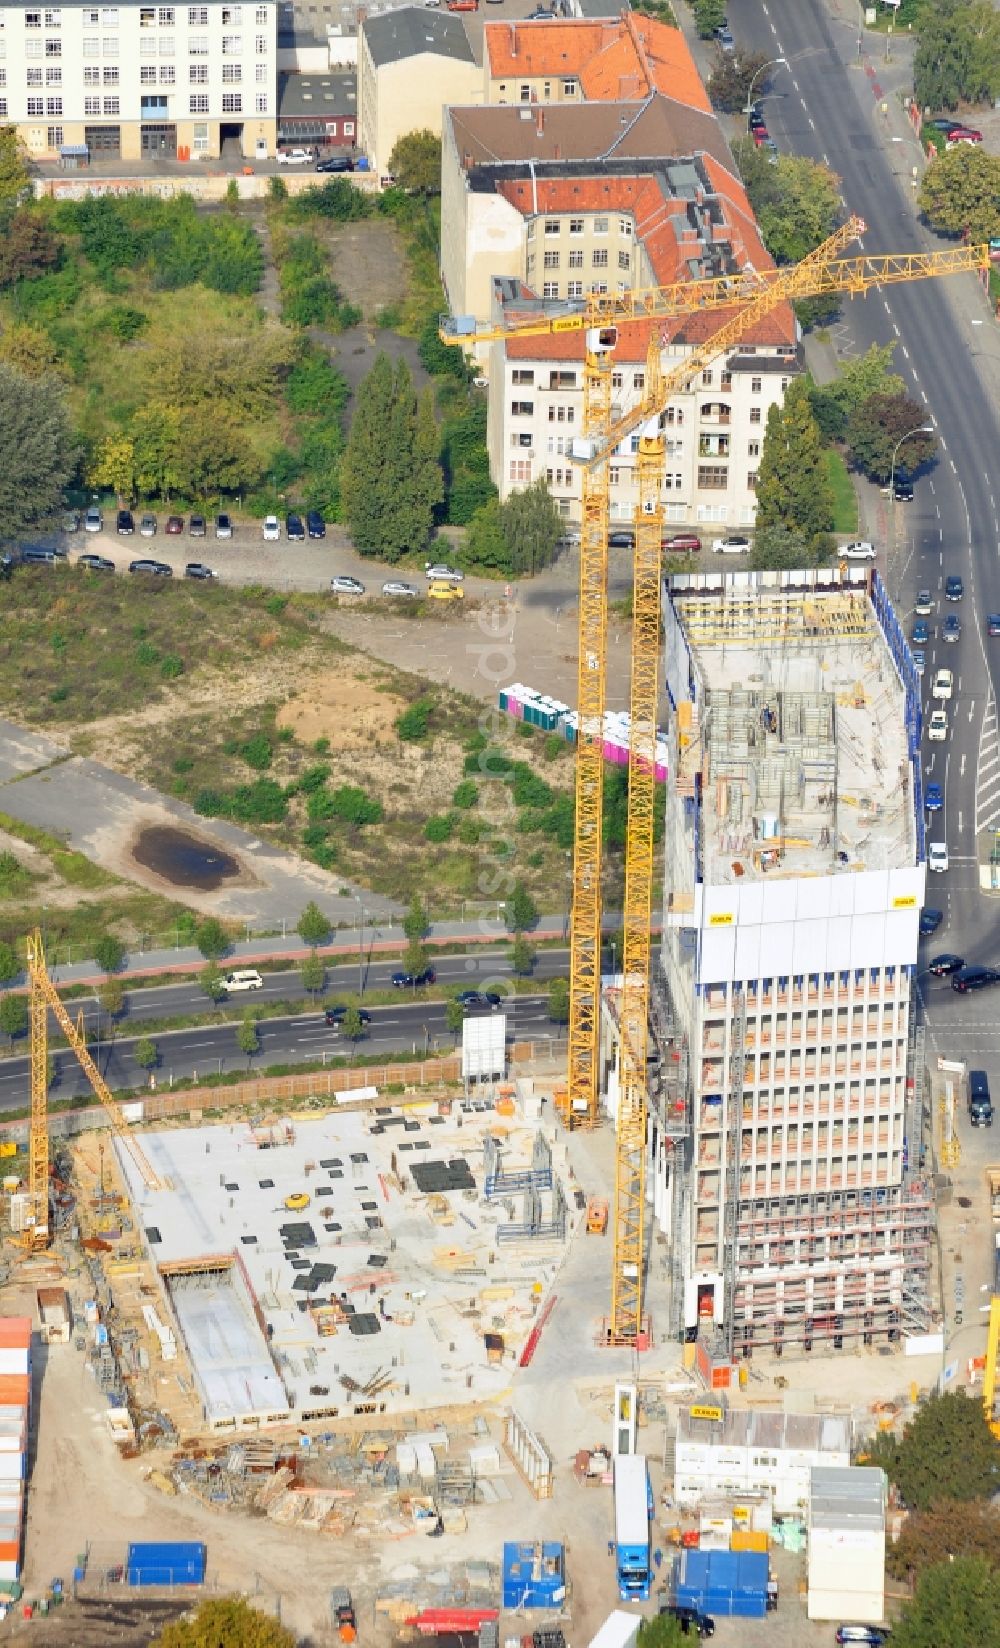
(921, 429)
(361, 948)
(748, 111)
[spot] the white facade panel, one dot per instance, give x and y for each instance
(776, 948)
(748, 949)
(718, 946)
(781, 902)
(751, 906)
(868, 939)
(838, 940)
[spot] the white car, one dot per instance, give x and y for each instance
(271, 528)
(441, 574)
(937, 726)
(730, 546)
(937, 856)
(244, 978)
(394, 587)
(859, 550)
(295, 157)
(93, 521)
(943, 685)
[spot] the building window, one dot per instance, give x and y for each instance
(147, 74)
(260, 15)
(34, 48)
(624, 260)
(91, 46)
(755, 414)
(617, 380)
(552, 260)
(552, 225)
(600, 225)
(638, 380)
(109, 45)
(232, 45)
(198, 74)
(726, 380)
(147, 17)
(197, 16)
(53, 77)
(756, 385)
(53, 48)
(547, 89)
(599, 257)
(112, 105)
(260, 74)
(166, 45)
(32, 19)
(260, 46)
(576, 225)
(54, 137)
(525, 94)
(614, 475)
(576, 258)
(165, 17)
(522, 375)
(348, 128)
(168, 74)
(574, 289)
(713, 477)
(706, 378)
(53, 19)
(232, 16)
(91, 105)
(599, 287)
(520, 469)
(569, 88)
(260, 103)
(111, 75)
(522, 409)
(753, 449)
(198, 45)
(625, 226)
(33, 77)
(92, 77)
(550, 289)
(521, 440)
(232, 74)
(147, 45)
(36, 106)
(232, 102)
(3, 107)
(201, 137)
(198, 103)
(752, 481)
(671, 483)
(530, 264)
(109, 17)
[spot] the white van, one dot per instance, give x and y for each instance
(244, 978)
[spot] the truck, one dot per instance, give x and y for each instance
(632, 1513)
(980, 1103)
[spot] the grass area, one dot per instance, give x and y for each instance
(845, 501)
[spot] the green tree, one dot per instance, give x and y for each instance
(211, 938)
(956, 1604)
(212, 982)
(958, 54)
(948, 1442)
(709, 15)
(732, 77)
(796, 201)
(559, 1001)
(415, 921)
(109, 953)
(946, 1531)
(415, 163)
(793, 485)
(313, 974)
(352, 1025)
(10, 963)
(14, 180)
(113, 466)
(776, 548)
(485, 543)
(111, 996)
(146, 1053)
(248, 1037)
(661, 1631)
(960, 192)
(879, 427)
(454, 1017)
(225, 1622)
(522, 956)
(13, 1015)
(390, 479)
(313, 926)
(520, 910)
(27, 248)
(520, 535)
(37, 448)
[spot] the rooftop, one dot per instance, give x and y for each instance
(852, 1496)
(411, 31)
(801, 728)
(629, 57)
(742, 1428)
(317, 96)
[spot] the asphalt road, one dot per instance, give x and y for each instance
(414, 1024)
(821, 108)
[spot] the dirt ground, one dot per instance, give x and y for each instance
(368, 263)
(343, 707)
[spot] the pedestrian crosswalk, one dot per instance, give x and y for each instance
(988, 771)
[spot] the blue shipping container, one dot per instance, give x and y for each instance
(730, 1583)
(533, 1575)
(166, 1563)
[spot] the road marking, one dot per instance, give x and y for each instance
(961, 770)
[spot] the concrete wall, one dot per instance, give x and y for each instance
(408, 96)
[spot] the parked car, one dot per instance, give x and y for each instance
(621, 539)
(924, 603)
(394, 587)
(954, 588)
(951, 629)
(692, 1622)
(943, 684)
(96, 563)
(413, 981)
(295, 532)
(937, 726)
(71, 521)
(198, 569)
(730, 546)
(993, 623)
(315, 524)
(196, 526)
(933, 798)
(295, 157)
(124, 523)
(174, 525)
(962, 134)
(342, 585)
(158, 569)
(271, 528)
(334, 1015)
(445, 592)
(902, 490)
(866, 1636)
(335, 163)
(930, 921)
(681, 543)
(93, 521)
(38, 555)
(974, 978)
(937, 856)
(439, 573)
(223, 526)
(147, 526)
(945, 964)
(859, 550)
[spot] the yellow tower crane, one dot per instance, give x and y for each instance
(43, 995)
(752, 295)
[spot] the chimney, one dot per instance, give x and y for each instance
(540, 121)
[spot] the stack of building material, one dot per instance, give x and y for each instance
(15, 1410)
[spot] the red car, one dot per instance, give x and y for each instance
(681, 542)
(760, 135)
(175, 524)
(963, 134)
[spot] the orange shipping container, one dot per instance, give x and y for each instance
(15, 1389)
(15, 1331)
(10, 1552)
(749, 1539)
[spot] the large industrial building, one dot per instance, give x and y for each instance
(785, 1129)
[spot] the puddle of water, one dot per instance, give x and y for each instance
(182, 859)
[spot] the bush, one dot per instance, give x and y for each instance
(256, 752)
(440, 828)
(466, 795)
(412, 724)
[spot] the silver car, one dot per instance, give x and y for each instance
(393, 587)
(342, 585)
